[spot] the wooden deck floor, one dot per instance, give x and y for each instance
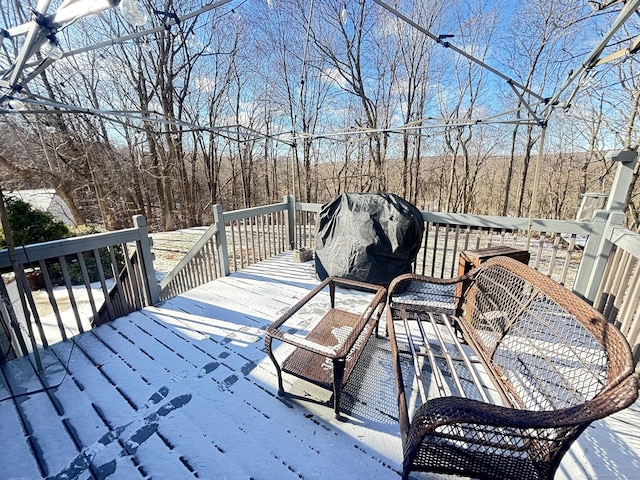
(185, 390)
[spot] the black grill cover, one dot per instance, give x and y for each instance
(367, 237)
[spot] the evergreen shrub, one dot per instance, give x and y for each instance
(31, 225)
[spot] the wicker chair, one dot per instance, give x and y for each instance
(552, 365)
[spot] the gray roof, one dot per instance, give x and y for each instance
(46, 200)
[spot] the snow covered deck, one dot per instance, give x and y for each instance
(185, 390)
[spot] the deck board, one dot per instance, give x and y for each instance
(184, 389)
(14, 442)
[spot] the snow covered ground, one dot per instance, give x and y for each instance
(46, 316)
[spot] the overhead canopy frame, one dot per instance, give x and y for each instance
(537, 107)
(541, 118)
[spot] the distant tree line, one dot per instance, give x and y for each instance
(318, 93)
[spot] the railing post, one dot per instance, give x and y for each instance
(146, 257)
(619, 194)
(221, 240)
(291, 219)
(598, 247)
(596, 253)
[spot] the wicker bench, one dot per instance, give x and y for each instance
(500, 381)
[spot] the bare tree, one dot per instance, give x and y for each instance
(475, 34)
(412, 79)
(345, 38)
(537, 60)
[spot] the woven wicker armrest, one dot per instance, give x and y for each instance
(402, 283)
(494, 440)
(423, 293)
(470, 421)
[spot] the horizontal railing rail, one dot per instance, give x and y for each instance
(251, 235)
(200, 265)
(555, 245)
(306, 216)
(254, 234)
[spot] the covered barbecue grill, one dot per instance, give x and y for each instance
(367, 237)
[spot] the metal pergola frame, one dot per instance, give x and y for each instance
(537, 109)
(43, 26)
(28, 65)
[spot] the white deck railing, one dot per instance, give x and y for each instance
(598, 260)
(618, 291)
(64, 287)
(235, 240)
(554, 245)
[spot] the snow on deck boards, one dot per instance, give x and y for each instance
(184, 389)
